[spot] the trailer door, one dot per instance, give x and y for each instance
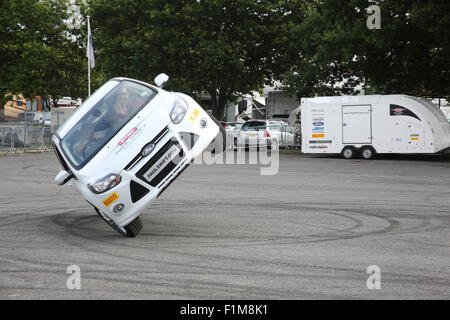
(357, 124)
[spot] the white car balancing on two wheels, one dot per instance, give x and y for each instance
(120, 165)
(367, 125)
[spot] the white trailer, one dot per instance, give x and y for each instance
(367, 125)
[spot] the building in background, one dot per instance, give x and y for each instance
(280, 104)
(19, 108)
(245, 108)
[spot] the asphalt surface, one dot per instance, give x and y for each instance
(226, 232)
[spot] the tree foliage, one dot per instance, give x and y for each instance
(409, 54)
(40, 54)
(228, 47)
(222, 47)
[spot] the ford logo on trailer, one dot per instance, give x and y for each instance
(318, 123)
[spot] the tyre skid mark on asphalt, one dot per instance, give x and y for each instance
(340, 234)
(326, 271)
(76, 226)
(43, 268)
(87, 220)
(394, 226)
(19, 218)
(246, 272)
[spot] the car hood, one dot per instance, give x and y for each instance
(130, 140)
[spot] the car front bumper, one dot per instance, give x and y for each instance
(136, 190)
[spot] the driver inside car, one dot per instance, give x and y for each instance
(122, 108)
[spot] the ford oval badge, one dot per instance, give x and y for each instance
(147, 149)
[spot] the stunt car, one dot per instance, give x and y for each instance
(127, 143)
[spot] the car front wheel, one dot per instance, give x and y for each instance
(134, 227)
(130, 230)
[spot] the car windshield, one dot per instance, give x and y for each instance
(104, 120)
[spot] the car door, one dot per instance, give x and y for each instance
(290, 135)
(287, 135)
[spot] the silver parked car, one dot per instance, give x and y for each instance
(269, 133)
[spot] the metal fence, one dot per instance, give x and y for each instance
(25, 139)
(20, 139)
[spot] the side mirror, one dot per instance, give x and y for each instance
(62, 177)
(161, 80)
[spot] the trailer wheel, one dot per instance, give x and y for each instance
(348, 152)
(367, 153)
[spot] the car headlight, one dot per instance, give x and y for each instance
(178, 111)
(105, 183)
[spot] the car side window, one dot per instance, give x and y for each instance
(275, 127)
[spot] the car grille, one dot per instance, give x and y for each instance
(157, 158)
(139, 156)
(177, 174)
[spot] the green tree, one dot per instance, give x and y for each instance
(409, 54)
(40, 54)
(223, 47)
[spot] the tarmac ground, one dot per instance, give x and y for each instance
(321, 228)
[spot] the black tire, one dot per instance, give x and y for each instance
(367, 153)
(348, 153)
(131, 230)
(221, 135)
